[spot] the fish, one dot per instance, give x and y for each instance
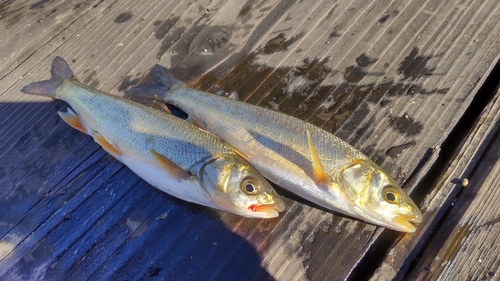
(169, 153)
(296, 155)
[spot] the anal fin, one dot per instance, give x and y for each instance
(72, 119)
(174, 170)
(106, 145)
(319, 174)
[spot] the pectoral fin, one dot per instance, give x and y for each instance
(73, 120)
(174, 170)
(320, 177)
(106, 145)
(196, 122)
(241, 154)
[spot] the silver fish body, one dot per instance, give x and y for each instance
(292, 153)
(168, 152)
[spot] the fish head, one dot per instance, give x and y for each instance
(377, 197)
(239, 188)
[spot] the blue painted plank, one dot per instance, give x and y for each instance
(147, 240)
(50, 212)
(114, 236)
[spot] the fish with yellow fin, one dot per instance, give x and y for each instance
(169, 153)
(294, 154)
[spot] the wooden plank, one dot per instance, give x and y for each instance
(403, 257)
(465, 246)
(385, 76)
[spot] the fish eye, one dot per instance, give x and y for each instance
(250, 186)
(391, 194)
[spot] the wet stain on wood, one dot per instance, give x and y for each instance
(279, 43)
(91, 80)
(10, 15)
(246, 9)
(123, 17)
(406, 125)
(128, 81)
(396, 151)
(414, 66)
(211, 39)
(163, 28)
(38, 4)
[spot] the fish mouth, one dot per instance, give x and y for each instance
(405, 222)
(268, 210)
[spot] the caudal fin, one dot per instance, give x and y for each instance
(60, 71)
(154, 84)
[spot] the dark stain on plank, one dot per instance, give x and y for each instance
(354, 74)
(384, 18)
(406, 125)
(363, 60)
(397, 150)
(334, 34)
(78, 5)
(10, 16)
(123, 17)
(246, 9)
(163, 28)
(211, 39)
(128, 81)
(153, 271)
(38, 4)
(90, 80)
(51, 13)
(387, 15)
(279, 43)
(414, 66)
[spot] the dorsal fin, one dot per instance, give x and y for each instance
(320, 177)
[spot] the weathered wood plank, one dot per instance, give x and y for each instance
(465, 246)
(441, 199)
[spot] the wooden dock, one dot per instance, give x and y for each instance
(412, 83)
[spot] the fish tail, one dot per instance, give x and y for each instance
(155, 84)
(60, 71)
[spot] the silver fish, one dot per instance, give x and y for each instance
(168, 152)
(292, 153)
